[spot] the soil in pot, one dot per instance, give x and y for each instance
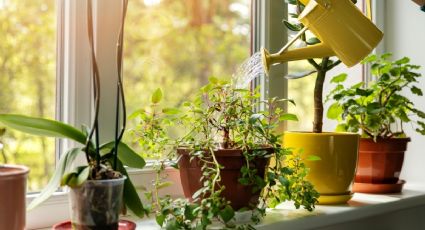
(96, 204)
(232, 160)
(380, 162)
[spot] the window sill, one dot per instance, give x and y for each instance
(364, 211)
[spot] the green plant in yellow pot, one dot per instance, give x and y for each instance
(333, 174)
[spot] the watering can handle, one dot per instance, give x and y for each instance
(325, 4)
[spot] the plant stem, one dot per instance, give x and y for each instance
(96, 88)
(120, 90)
(318, 96)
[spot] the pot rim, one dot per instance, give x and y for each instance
(7, 170)
(222, 152)
(393, 139)
(322, 133)
(108, 181)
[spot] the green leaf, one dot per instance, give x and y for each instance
(364, 92)
(313, 158)
(334, 111)
(213, 80)
(189, 211)
(42, 127)
(283, 181)
(164, 185)
(227, 214)
(369, 59)
(77, 177)
(65, 162)
(416, 90)
(171, 111)
(374, 108)
(126, 155)
(341, 128)
(130, 196)
(288, 117)
(339, 78)
(160, 219)
(156, 96)
(299, 75)
(313, 41)
(292, 26)
(136, 114)
(402, 61)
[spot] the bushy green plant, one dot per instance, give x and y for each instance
(224, 117)
(379, 108)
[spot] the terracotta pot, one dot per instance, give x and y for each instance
(333, 175)
(96, 204)
(13, 179)
(380, 162)
(232, 160)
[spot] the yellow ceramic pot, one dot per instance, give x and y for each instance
(333, 175)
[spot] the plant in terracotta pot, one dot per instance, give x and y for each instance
(101, 185)
(224, 159)
(333, 175)
(380, 111)
(13, 180)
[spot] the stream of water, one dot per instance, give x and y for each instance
(250, 69)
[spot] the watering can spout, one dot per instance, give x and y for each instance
(314, 51)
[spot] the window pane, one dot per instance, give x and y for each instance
(27, 80)
(177, 44)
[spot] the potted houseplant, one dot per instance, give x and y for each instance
(379, 110)
(224, 158)
(101, 186)
(333, 175)
(13, 180)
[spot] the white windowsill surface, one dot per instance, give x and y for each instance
(364, 211)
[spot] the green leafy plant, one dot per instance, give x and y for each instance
(379, 109)
(104, 161)
(222, 117)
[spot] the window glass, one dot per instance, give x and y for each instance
(28, 82)
(176, 45)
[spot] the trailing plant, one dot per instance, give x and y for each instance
(222, 117)
(379, 109)
(104, 161)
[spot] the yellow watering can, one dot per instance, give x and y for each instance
(342, 29)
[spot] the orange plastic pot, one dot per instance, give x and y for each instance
(232, 160)
(380, 162)
(13, 180)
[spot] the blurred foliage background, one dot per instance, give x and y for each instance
(27, 81)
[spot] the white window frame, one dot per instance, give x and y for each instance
(74, 86)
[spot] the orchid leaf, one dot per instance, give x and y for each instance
(65, 162)
(131, 197)
(126, 155)
(42, 127)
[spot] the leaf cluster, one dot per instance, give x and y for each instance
(64, 174)
(223, 117)
(380, 108)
